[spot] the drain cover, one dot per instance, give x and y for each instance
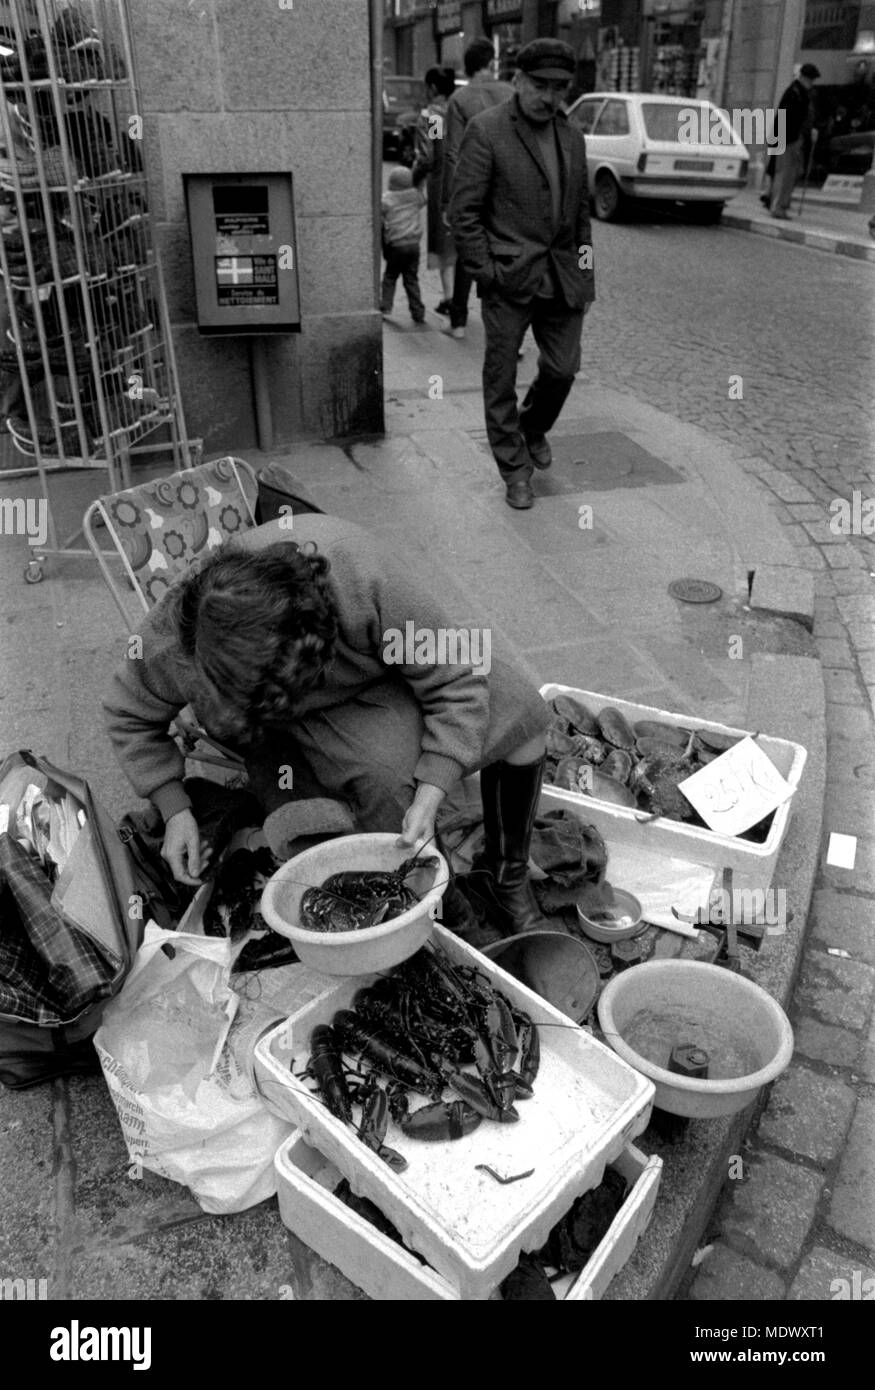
(695, 590)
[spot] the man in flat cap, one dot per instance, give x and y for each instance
(796, 104)
(520, 216)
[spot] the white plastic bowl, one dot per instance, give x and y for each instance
(352, 952)
(607, 931)
(731, 1011)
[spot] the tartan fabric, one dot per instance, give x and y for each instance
(49, 971)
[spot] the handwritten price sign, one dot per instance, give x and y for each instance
(737, 790)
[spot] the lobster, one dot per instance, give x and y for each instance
(357, 1035)
(358, 898)
(375, 1121)
(326, 1068)
(399, 1011)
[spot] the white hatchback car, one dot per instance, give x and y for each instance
(671, 148)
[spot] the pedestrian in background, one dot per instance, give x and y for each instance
(796, 104)
(401, 213)
(520, 216)
(429, 156)
(482, 92)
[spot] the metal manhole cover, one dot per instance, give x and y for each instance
(695, 590)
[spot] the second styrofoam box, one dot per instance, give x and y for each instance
(753, 864)
(306, 1181)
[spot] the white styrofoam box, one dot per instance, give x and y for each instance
(587, 1105)
(643, 1175)
(752, 864)
(386, 1271)
(305, 1182)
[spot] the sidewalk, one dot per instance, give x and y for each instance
(584, 604)
(840, 230)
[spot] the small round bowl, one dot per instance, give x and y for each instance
(627, 906)
(353, 952)
(709, 1007)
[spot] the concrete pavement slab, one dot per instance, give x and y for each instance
(852, 1208)
(836, 991)
(845, 921)
(771, 1210)
(229, 1258)
(27, 1229)
(808, 1114)
(823, 1275)
(780, 589)
(824, 1043)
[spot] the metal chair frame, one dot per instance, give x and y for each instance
(185, 727)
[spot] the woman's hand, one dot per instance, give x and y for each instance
(417, 828)
(182, 849)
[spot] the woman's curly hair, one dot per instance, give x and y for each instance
(260, 629)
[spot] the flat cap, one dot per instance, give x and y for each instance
(547, 58)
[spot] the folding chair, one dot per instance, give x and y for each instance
(160, 529)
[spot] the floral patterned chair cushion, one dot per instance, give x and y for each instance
(162, 527)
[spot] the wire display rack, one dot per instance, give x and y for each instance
(87, 368)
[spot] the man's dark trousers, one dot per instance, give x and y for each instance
(462, 283)
(556, 330)
(402, 260)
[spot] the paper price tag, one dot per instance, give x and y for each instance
(737, 790)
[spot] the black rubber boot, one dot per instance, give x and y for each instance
(500, 874)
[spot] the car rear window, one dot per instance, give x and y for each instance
(663, 119)
(685, 122)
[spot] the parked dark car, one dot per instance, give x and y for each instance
(403, 99)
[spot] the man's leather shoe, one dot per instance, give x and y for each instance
(520, 495)
(539, 450)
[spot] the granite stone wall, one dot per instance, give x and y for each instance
(232, 86)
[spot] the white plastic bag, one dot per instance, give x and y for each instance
(187, 1103)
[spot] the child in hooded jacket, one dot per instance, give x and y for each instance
(401, 209)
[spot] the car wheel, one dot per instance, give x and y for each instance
(706, 214)
(608, 199)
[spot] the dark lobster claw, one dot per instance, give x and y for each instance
(502, 1033)
(375, 1122)
(375, 1117)
(472, 1090)
(396, 1161)
(441, 1121)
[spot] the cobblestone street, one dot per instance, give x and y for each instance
(681, 310)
